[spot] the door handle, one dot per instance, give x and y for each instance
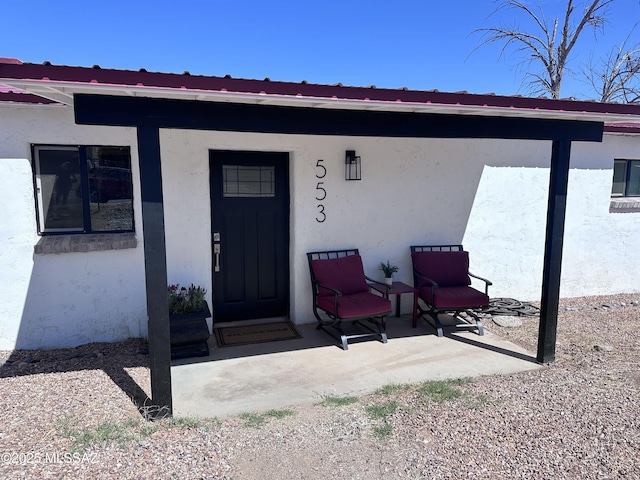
(216, 252)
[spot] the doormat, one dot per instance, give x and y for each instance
(246, 335)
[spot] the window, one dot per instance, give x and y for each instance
(83, 189)
(626, 178)
(248, 181)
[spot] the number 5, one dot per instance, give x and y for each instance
(318, 187)
(324, 169)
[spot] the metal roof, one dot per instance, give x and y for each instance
(58, 84)
(622, 127)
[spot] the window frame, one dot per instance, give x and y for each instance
(84, 189)
(627, 176)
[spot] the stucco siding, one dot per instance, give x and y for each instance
(490, 195)
(51, 301)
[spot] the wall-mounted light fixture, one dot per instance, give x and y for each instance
(352, 166)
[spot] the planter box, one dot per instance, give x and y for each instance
(189, 334)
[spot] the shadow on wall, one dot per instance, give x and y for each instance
(507, 224)
(63, 300)
(83, 297)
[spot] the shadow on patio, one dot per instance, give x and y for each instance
(259, 377)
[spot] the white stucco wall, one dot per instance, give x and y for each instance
(507, 224)
(601, 247)
(490, 195)
(17, 240)
(50, 301)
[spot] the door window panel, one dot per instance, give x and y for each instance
(248, 181)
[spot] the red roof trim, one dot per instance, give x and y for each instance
(629, 127)
(13, 61)
(16, 70)
(23, 98)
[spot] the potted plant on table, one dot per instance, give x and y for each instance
(388, 270)
(188, 313)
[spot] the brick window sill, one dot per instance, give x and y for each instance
(624, 205)
(95, 242)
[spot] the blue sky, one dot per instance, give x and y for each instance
(419, 44)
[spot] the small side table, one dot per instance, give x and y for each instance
(398, 289)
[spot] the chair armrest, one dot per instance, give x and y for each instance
(433, 284)
(318, 284)
(379, 286)
(422, 277)
(336, 294)
(486, 282)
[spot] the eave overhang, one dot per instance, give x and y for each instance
(63, 93)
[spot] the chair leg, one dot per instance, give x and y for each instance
(440, 327)
(430, 312)
(479, 326)
(379, 330)
(334, 328)
(383, 331)
(436, 324)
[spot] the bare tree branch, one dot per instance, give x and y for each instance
(544, 47)
(617, 78)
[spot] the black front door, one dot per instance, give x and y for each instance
(250, 233)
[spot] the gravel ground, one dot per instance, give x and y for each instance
(66, 415)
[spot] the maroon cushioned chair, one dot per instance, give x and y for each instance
(441, 275)
(341, 293)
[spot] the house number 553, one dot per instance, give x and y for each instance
(321, 193)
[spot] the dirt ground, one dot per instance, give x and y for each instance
(73, 414)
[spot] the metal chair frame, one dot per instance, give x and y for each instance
(430, 309)
(332, 324)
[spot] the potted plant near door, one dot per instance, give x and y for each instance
(388, 270)
(188, 311)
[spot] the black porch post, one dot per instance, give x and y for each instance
(556, 210)
(155, 267)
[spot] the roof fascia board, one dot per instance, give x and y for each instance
(243, 117)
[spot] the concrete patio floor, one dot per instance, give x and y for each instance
(275, 375)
